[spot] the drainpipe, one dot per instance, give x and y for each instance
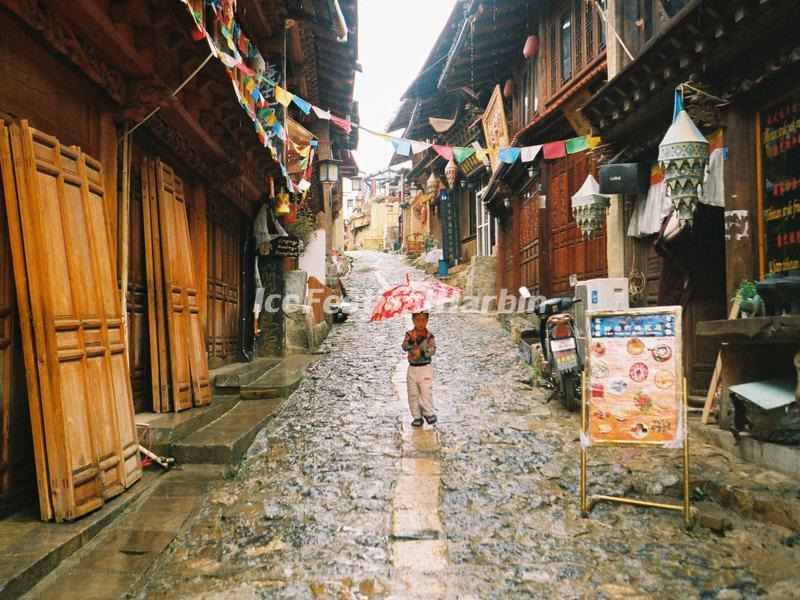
(340, 25)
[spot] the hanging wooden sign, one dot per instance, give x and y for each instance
(287, 247)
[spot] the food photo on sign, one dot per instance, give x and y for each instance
(634, 377)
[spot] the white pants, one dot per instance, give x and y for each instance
(420, 390)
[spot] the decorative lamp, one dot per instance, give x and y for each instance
(509, 88)
(355, 182)
(328, 171)
(451, 174)
(282, 204)
(683, 156)
(432, 184)
(589, 208)
(531, 47)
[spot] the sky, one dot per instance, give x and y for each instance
(394, 39)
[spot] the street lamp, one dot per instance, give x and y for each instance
(328, 171)
(355, 182)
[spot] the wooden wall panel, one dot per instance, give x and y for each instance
(569, 252)
(136, 304)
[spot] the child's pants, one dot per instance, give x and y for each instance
(420, 390)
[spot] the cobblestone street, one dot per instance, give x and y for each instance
(339, 498)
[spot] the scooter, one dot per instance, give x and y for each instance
(560, 362)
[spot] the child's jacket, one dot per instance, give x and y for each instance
(426, 344)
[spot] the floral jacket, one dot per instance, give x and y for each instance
(426, 344)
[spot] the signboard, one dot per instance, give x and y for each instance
(451, 240)
(286, 247)
(634, 377)
(779, 181)
(495, 126)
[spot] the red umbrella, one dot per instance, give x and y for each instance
(413, 296)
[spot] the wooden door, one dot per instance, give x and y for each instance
(16, 448)
(569, 252)
(529, 242)
(136, 302)
(224, 226)
(185, 331)
(79, 385)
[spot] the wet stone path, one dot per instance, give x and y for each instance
(339, 498)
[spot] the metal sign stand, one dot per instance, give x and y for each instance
(588, 503)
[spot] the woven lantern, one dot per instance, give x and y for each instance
(683, 156)
(292, 216)
(509, 88)
(433, 184)
(589, 208)
(451, 174)
(282, 205)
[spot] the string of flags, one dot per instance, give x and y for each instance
(255, 82)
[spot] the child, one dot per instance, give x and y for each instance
(420, 345)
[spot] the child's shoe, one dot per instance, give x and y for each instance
(430, 419)
(417, 422)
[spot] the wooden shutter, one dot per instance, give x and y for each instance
(170, 247)
(78, 381)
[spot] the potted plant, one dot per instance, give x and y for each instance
(428, 242)
(750, 303)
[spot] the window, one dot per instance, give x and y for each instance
(601, 24)
(566, 47)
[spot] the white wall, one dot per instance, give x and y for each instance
(312, 261)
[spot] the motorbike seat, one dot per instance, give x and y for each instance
(559, 319)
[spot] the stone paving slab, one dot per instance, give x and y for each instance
(281, 380)
(30, 549)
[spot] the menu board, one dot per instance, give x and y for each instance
(451, 242)
(634, 376)
(780, 185)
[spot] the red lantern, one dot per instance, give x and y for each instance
(509, 88)
(198, 34)
(531, 47)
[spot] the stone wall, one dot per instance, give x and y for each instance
(480, 280)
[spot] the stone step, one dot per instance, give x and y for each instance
(225, 440)
(281, 380)
(166, 429)
(230, 378)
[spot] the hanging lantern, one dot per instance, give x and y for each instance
(589, 208)
(683, 156)
(531, 47)
(282, 205)
(433, 184)
(509, 88)
(292, 216)
(451, 174)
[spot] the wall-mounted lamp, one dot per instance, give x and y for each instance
(328, 171)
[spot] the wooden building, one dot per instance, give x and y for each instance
(540, 246)
(741, 62)
(80, 74)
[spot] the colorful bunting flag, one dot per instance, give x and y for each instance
(446, 152)
(321, 114)
(417, 147)
(245, 69)
(510, 155)
(554, 150)
(593, 141)
(304, 185)
(342, 123)
(528, 153)
(282, 96)
(578, 144)
(302, 104)
(462, 154)
(401, 147)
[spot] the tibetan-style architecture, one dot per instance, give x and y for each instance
(116, 113)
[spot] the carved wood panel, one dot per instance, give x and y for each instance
(224, 231)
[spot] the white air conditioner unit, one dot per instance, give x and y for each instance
(610, 293)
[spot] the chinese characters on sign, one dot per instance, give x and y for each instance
(780, 185)
(634, 376)
(449, 218)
